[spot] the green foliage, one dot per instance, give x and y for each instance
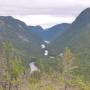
(8, 49)
(50, 87)
(35, 77)
(68, 66)
(17, 67)
(1, 88)
(79, 82)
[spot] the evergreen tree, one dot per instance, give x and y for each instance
(68, 66)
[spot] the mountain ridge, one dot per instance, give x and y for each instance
(74, 33)
(51, 33)
(16, 32)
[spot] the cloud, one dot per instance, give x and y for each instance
(43, 12)
(27, 7)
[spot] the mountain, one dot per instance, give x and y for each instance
(17, 33)
(36, 29)
(77, 37)
(50, 34)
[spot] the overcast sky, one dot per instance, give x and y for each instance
(43, 12)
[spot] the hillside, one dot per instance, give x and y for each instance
(16, 32)
(76, 37)
(50, 34)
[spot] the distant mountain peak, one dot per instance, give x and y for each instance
(87, 9)
(38, 26)
(82, 19)
(86, 12)
(84, 16)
